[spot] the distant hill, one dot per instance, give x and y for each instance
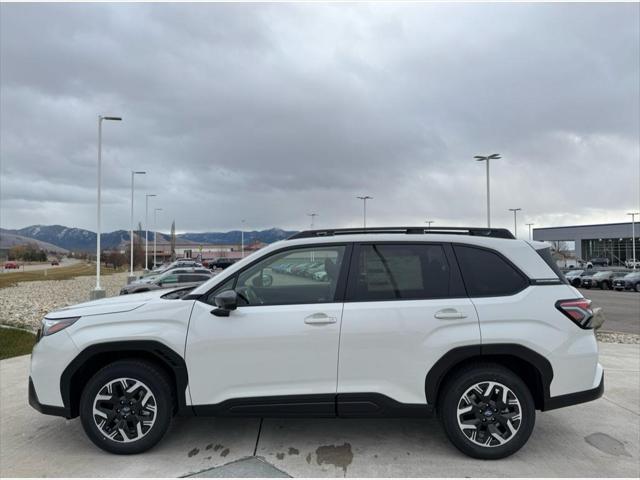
(8, 240)
(78, 239)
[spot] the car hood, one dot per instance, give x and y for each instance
(119, 304)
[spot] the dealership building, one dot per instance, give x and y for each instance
(608, 240)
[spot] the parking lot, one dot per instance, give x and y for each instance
(596, 439)
(622, 309)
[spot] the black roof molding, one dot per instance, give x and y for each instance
(472, 231)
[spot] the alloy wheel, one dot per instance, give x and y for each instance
(489, 414)
(124, 410)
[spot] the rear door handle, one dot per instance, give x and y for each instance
(319, 319)
(449, 314)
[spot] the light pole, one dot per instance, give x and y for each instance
(429, 222)
(515, 220)
(633, 237)
(99, 292)
(529, 225)
(133, 174)
(364, 214)
(146, 231)
(313, 217)
(479, 158)
(155, 233)
(242, 238)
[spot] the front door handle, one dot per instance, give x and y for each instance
(449, 314)
(319, 319)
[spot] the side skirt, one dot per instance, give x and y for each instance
(345, 405)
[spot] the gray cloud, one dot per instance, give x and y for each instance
(267, 112)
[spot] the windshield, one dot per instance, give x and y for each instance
(602, 274)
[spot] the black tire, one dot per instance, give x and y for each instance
(604, 285)
(576, 282)
(153, 379)
(452, 397)
(637, 287)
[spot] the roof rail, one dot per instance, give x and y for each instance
(473, 231)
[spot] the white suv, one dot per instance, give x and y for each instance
(470, 324)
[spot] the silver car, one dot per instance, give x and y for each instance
(178, 277)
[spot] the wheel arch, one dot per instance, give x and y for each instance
(530, 366)
(94, 357)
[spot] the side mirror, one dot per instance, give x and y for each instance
(225, 302)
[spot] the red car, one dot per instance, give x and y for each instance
(9, 265)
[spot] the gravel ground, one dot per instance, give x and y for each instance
(23, 305)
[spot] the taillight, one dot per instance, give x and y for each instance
(578, 310)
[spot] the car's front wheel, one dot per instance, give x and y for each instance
(127, 406)
(487, 411)
(604, 285)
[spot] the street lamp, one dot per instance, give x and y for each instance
(364, 215)
(429, 222)
(529, 225)
(479, 158)
(133, 174)
(242, 238)
(99, 292)
(313, 217)
(515, 220)
(633, 236)
(146, 232)
(155, 233)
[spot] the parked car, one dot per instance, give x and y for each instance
(603, 279)
(174, 270)
(631, 281)
(178, 263)
(173, 278)
(586, 279)
(55, 263)
(222, 263)
(452, 322)
(598, 262)
(574, 277)
(11, 265)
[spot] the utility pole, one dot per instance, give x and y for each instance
(529, 225)
(133, 174)
(515, 220)
(429, 222)
(364, 214)
(479, 158)
(242, 238)
(146, 232)
(633, 236)
(155, 233)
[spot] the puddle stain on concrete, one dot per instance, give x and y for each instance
(293, 451)
(279, 455)
(209, 447)
(308, 458)
(224, 453)
(607, 444)
(218, 447)
(340, 456)
(193, 452)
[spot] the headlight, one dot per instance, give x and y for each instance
(51, 326)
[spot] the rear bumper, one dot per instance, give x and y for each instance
(46, 409)
(575, 398)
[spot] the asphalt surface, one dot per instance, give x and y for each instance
(596, 439)
(621, 309)
(65, 262)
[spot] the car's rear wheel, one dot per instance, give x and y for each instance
(637, 287)
(127, 406)
(604, 285)
(487, 411)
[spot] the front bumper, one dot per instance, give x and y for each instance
(46, 409)
(575, 398)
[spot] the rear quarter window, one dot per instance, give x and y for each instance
(487, 274)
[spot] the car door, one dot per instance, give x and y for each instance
(404, 309)
(281, 341)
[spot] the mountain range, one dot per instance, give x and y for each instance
(78, 239)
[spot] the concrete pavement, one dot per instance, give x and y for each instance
(597, 439)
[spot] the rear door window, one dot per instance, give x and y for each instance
(400, 272)
(488, 274)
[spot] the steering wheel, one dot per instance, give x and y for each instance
(249, 295)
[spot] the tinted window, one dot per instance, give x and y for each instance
(297, 276)
(546, 255)
(227, 285)
(487, 274)
(400, 272)
(169, 279)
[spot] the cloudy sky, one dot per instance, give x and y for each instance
(269, 112)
